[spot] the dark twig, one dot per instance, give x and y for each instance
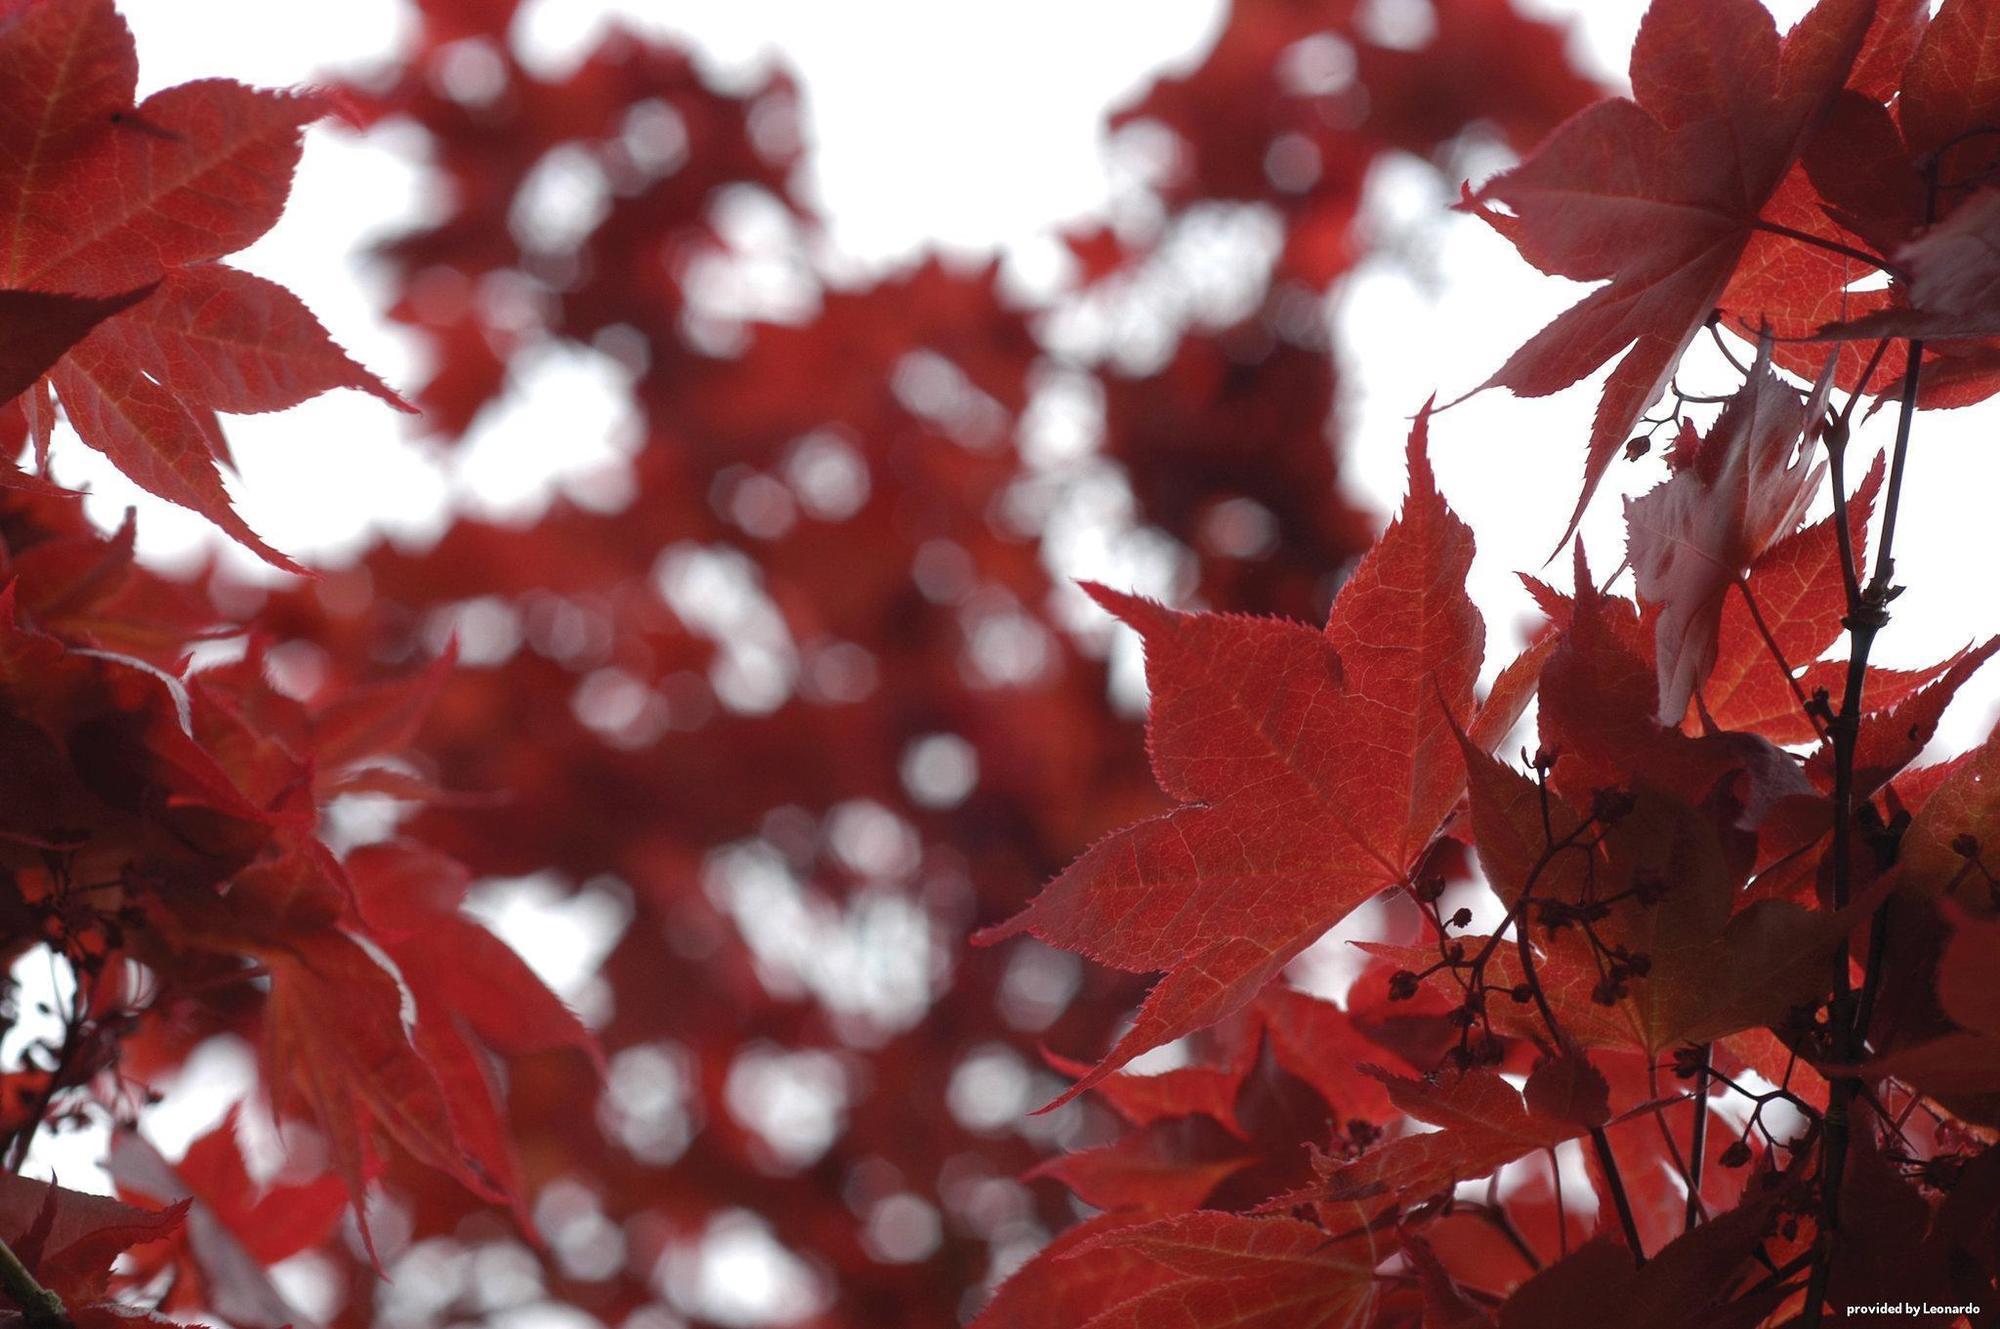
(1868, 614)
(1698, 1145)
(39, 1306)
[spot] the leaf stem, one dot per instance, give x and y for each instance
(40, 1306)
(1778, 654)
(1835, 437)
(1699, 1144)
(1496, 1214)
(1609, 1163)
(1831, 246)
(1606, 1160)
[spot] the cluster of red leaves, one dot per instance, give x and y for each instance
(1729, 946)
(806, 682)
(163, 836)
(857, 476)
(115, 217)
(166, 830)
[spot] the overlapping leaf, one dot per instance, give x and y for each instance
(1243, 1273)
(1483, 1123)
(1659, 196)
(1313, 769)
(1746, 486)
(111, 215)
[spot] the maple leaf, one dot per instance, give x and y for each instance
(1711, 969)
(1056, 1287)
(1892, 738)
(1446, 1305)
(1226, 1134)
(1142, 1100)
(37, 329)
(110, 218)
(1600, 710)
(1951, 834)
(1243, 1273)
(1146, 1172)
(1952, 281)
(1961, 1068)
(365, 721)
(236, 343)
(1746, 485)
(152, 436)
(1950, 89)
(1483, 1124)
(68, 1239)
(363, 1073)
(190, 174)
(1800, 594)
(1659, 195)
(229, 1239)
(463, 977)
(1313, 769)
(66, 68)
(1689, 1284)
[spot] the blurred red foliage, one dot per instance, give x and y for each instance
(852, 486)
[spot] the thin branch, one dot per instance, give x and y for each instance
(1699, 1144)
(1868, 616)
(1562, 1214)
(1496, 1214)
(1885, 562)
(1674, 1154)
(1835, 437)
(40, 1306)
(1606, 1160)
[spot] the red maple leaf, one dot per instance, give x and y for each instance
(1483, 1123)
(111, 217)
(1658, 196)
(1314, 770)
(1218, 1270)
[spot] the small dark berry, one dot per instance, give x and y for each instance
(1736, 1155)
(1611, 806)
